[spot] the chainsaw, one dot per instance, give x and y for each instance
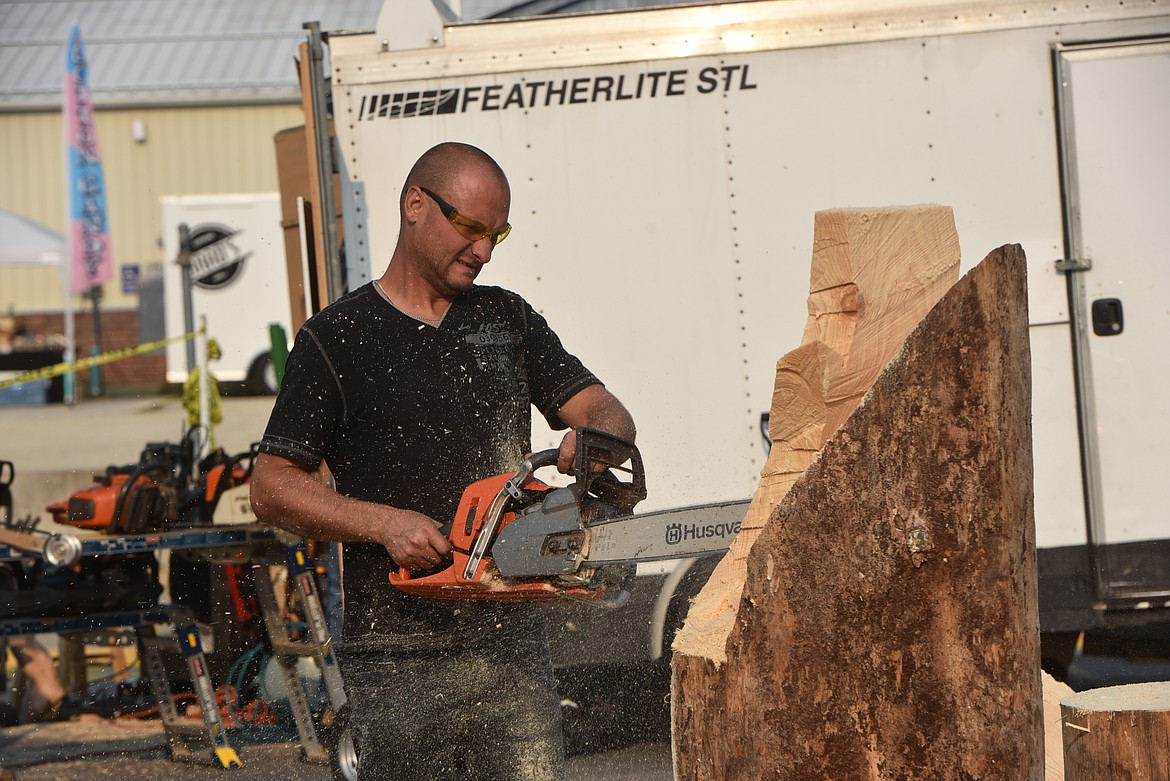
(517, 538)
(157, 492)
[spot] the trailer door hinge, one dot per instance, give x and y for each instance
(1074, 264)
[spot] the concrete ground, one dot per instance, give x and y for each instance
(95, 749)
(55, 450)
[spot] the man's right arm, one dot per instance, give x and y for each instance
(293, 497)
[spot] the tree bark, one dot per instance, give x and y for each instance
(1118, 733)
(886, 625)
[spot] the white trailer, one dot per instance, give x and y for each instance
(240, 282)
(665, 168)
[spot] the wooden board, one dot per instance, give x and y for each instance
(1054, 692)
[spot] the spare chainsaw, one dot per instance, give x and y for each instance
(157, 492)
(516, 538)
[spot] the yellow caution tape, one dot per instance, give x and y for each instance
(96, 360)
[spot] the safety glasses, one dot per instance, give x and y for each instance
(472, 230)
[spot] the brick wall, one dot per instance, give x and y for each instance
(142, 373)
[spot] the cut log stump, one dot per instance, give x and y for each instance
(885, 625)
(1117, 733)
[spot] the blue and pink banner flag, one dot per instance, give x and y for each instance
(91, 261)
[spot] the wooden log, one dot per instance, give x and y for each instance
(875, 274)
(1117, 733)
(887, 625)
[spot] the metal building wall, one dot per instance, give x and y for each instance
(185, 151)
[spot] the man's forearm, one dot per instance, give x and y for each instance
(596, 407)
(286, 495)
(291, 498)
(593, 407)
(612, 418)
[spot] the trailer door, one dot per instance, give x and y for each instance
(1114, 114)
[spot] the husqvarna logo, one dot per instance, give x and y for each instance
(677, 533)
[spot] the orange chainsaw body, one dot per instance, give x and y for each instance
(95, 507)
(449, 582)
(512, 496)
(221, 477)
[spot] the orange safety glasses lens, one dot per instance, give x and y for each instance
(470, 229)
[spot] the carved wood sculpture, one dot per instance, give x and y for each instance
(875, 274)
(1117, 732)
(881, 621)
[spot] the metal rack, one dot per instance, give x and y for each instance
(63, 549)
(251, 541)
(319, 646)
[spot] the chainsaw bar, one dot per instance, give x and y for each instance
(698, 530)
(554, 539)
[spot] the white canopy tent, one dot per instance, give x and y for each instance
(25, 242)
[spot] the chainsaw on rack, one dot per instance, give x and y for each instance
(159, 492)
(517, 538)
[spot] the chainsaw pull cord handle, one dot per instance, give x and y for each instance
(511, 490)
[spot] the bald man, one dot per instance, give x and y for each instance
(409, 389)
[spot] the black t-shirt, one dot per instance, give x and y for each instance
(408, 414)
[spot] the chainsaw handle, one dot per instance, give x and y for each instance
(527, 468)
(514, 489)
(537, 460)
(599, 455)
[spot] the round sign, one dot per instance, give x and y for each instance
(215, 258)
